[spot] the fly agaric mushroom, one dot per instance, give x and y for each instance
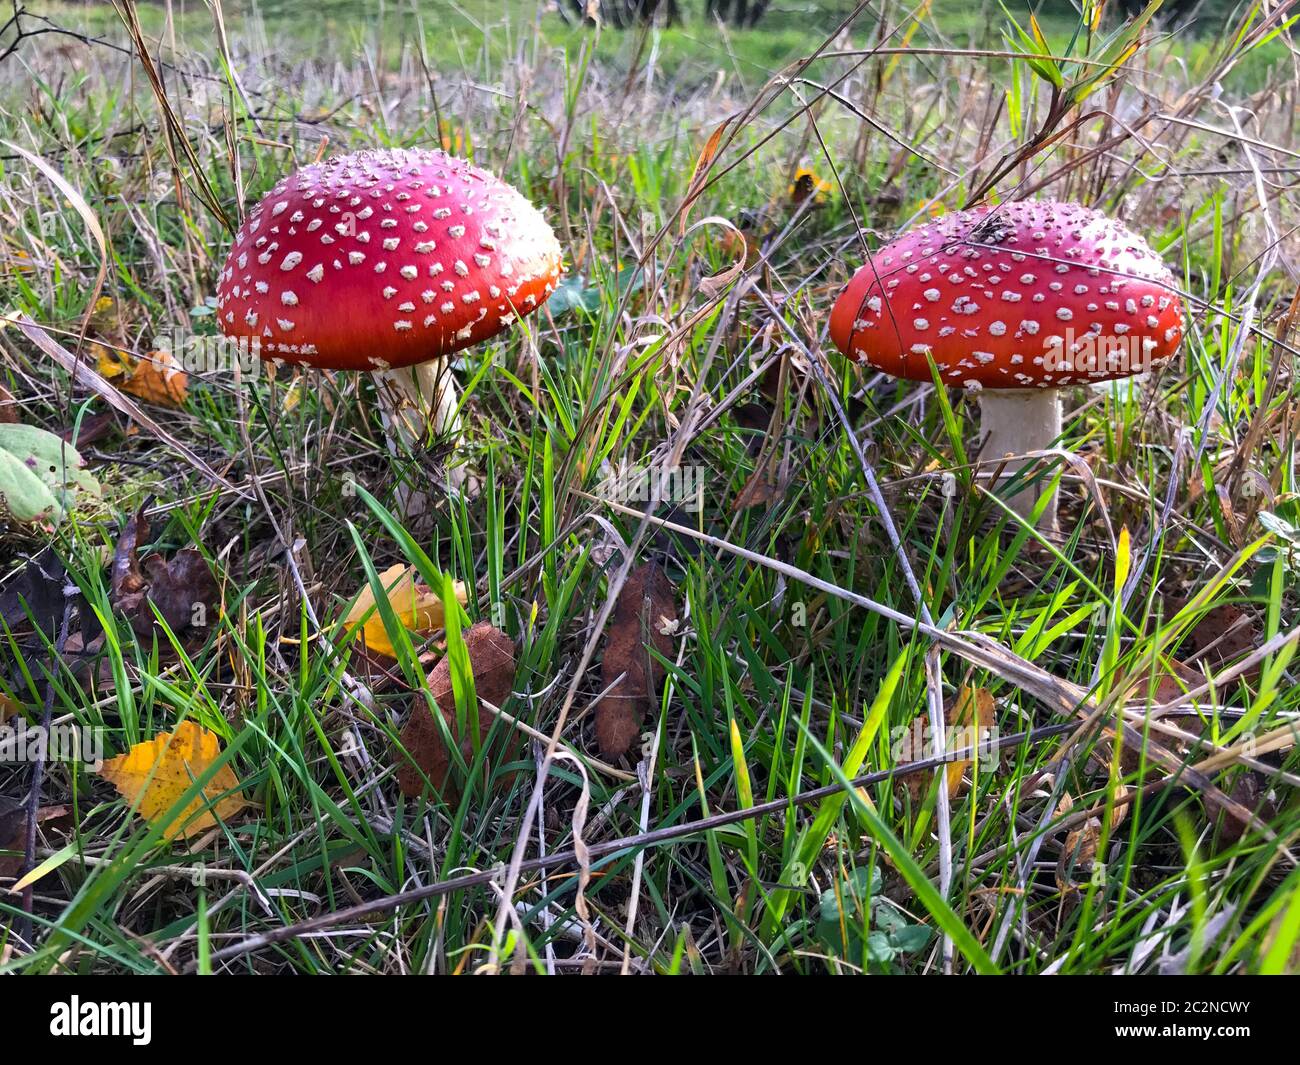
(387, 261)
(1013, 302)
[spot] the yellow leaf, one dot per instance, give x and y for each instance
(1123, 559)
(153, 775)
(292, 396)
(805, 184)
(973, 712)
(157, 379)
(109, 363)
(8, 708)
(417, 606)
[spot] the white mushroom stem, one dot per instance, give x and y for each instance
(418, 403)
(415, 401)
(1017, 421)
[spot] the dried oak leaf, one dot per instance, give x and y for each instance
(35, 593)
(645, 617)
(1078, 857)
(155, 773)
(424, 753)
(183, 589)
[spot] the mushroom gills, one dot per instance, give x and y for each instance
(1016, 421)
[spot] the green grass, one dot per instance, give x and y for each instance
(796, 662)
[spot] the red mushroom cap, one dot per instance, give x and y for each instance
(1033, 294)
(385, 259)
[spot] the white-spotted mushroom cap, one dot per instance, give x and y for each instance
(385, 259)
(1034, 294)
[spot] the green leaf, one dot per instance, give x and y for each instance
(39, 474)
(1279, 526)
(573, 294)
(570, 295)
(889, 919)
(912, 937)
(879, 948)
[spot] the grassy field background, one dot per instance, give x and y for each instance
(796, 662)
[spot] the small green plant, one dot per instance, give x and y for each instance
(39, 474)
(856, 922)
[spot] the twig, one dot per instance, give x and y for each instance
(614, 847)
(42, 752)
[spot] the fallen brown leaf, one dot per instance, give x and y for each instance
(1225, 634)
(155, 378)
(92, 429)
(1078, 857)
(13, 832)
(425, 752)
(967, 714)
(763, 487)
(645, 617)
(1251, 790)
(183, 589)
